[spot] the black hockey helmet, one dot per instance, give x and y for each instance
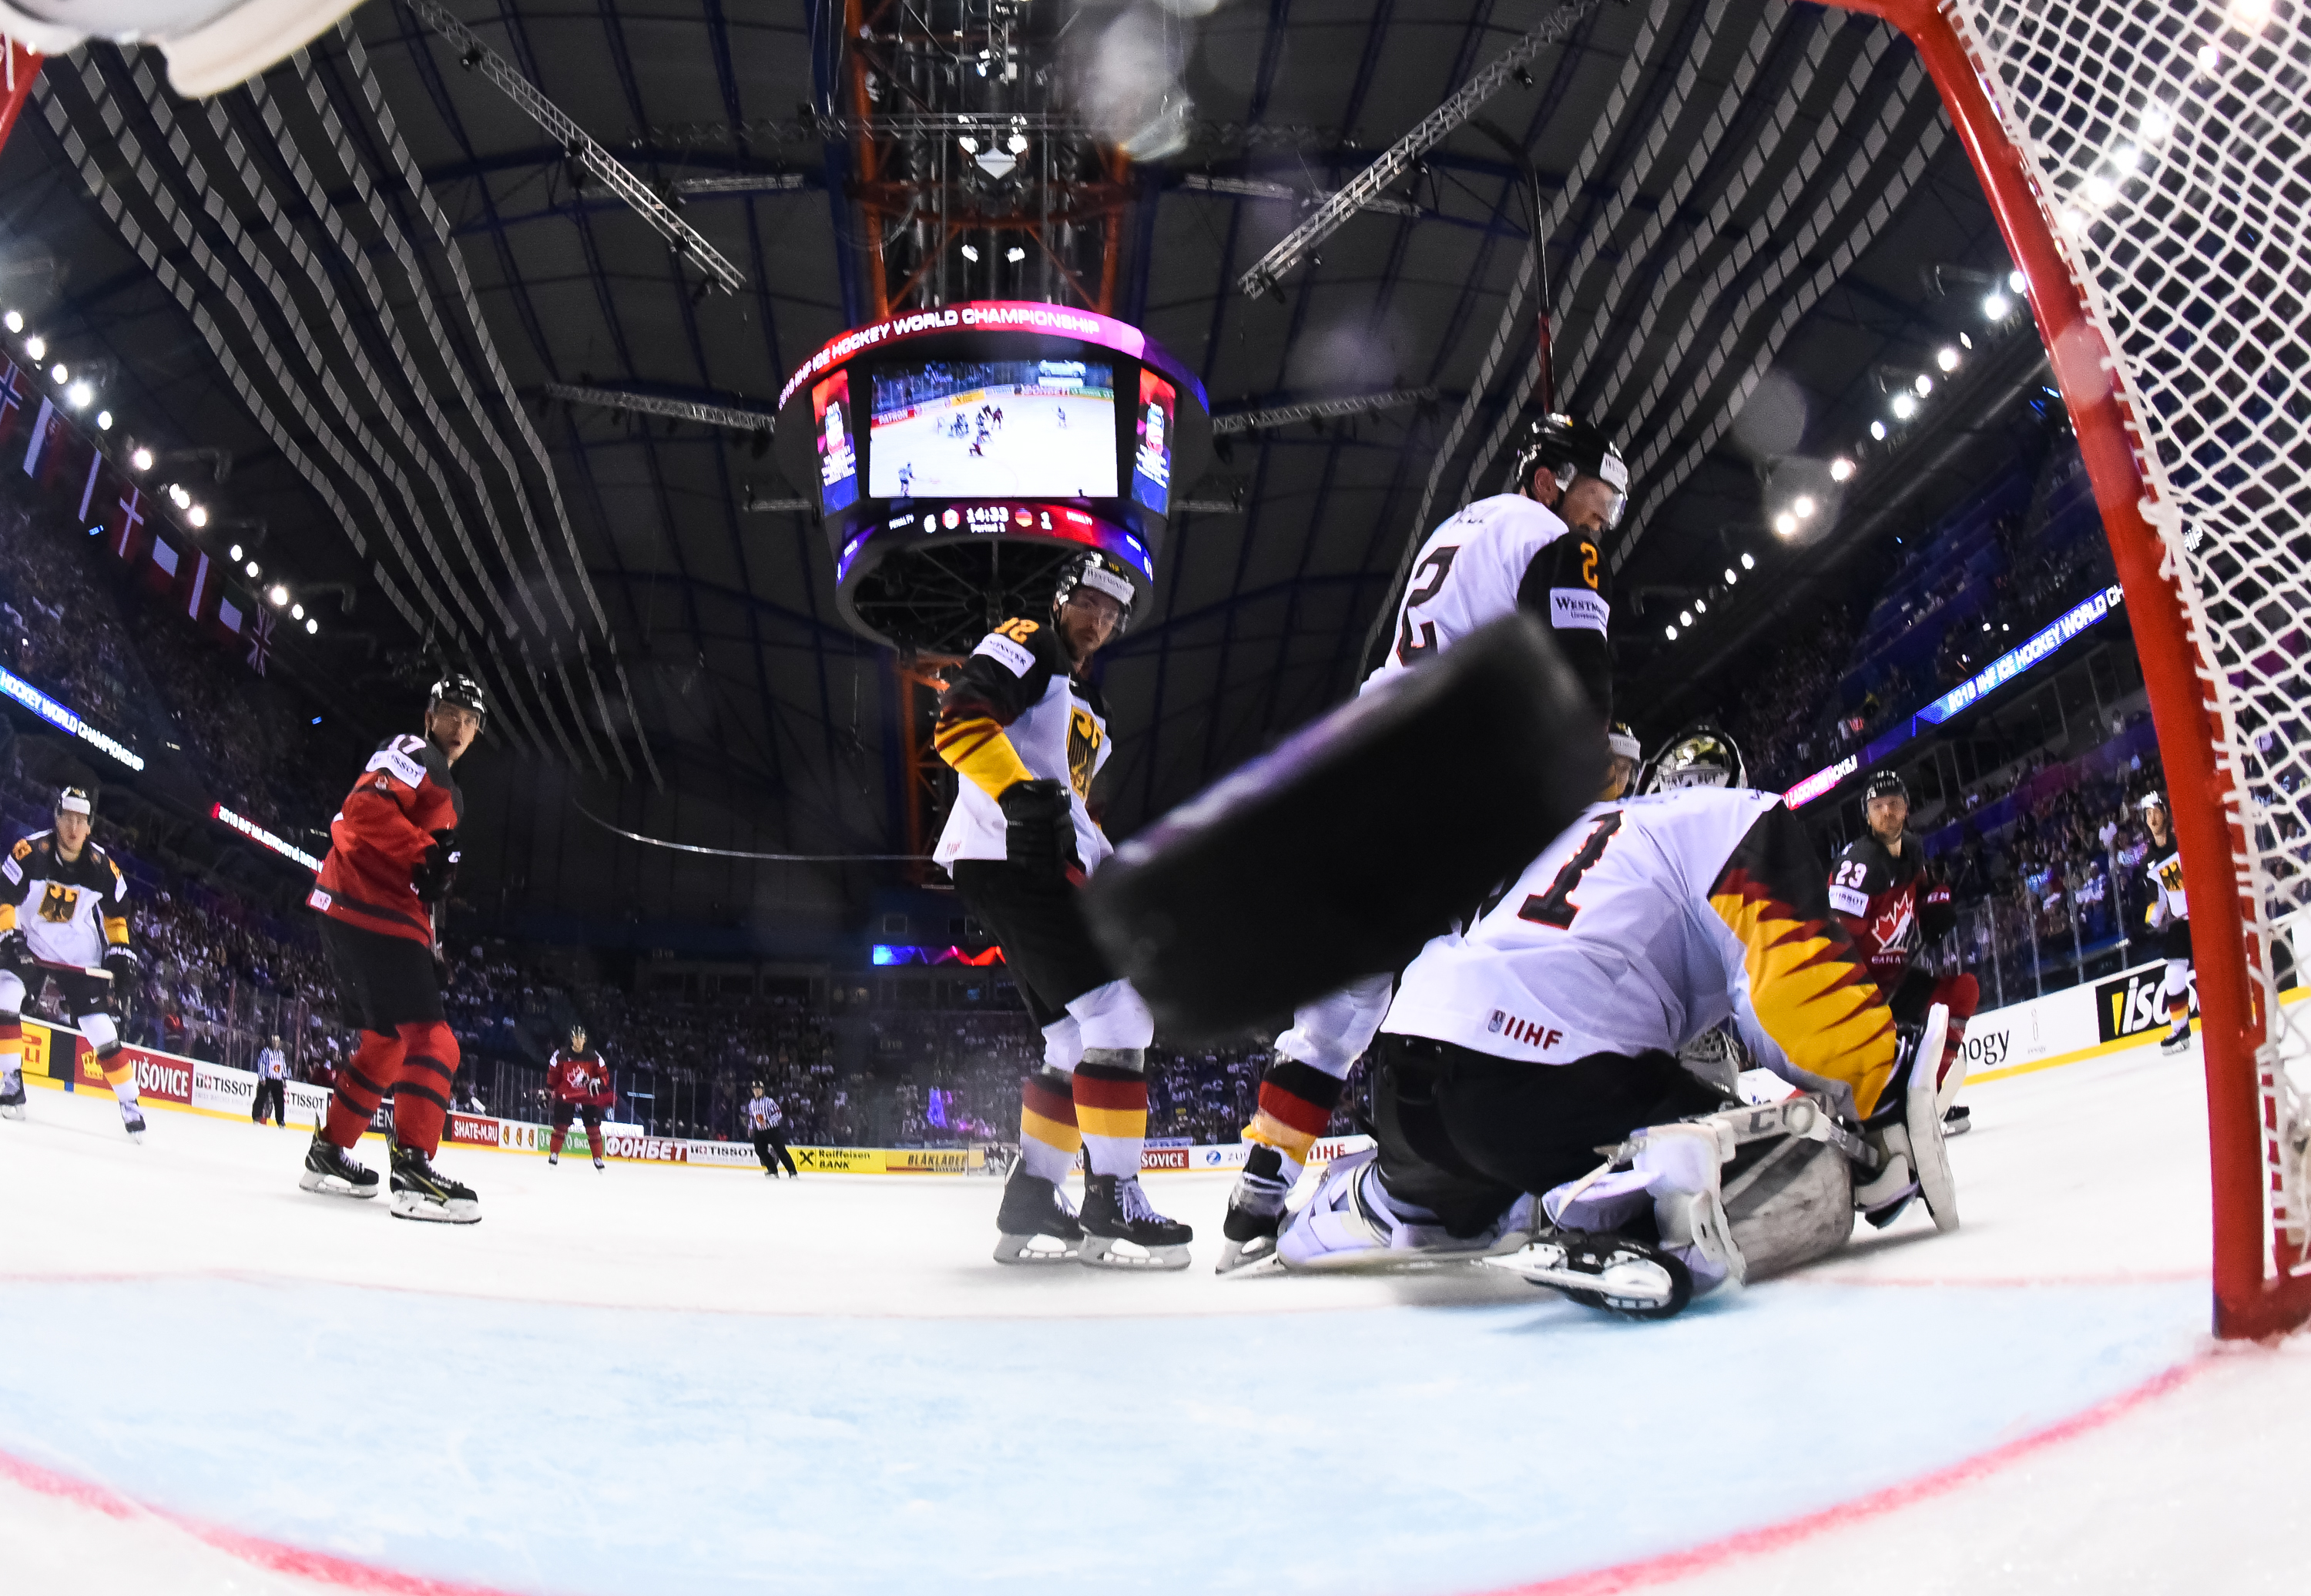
(1102, 573)
(2153, 799)
(577, 1031)
(76, 800)
(461, 690)
(1884, 784)
(1570, 448)
(1702, 756)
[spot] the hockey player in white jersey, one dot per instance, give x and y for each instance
(1535, 548)
(1551, 1028)
(64, 915)
(2169, 913)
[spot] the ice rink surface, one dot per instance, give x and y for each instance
(663, 1379)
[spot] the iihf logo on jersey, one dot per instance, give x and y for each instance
(1504, 1023)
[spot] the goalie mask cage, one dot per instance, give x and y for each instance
(2145, 159)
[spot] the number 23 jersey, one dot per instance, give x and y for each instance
(1645, 924)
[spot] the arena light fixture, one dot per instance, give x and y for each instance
(970, 252)
(277, 596)
(60, 372)
(1841, 470)
(178, 496)
(1014, 254)
(969, 145)
(2016, 282)
(36, 347)
(1906, 406)
(1878, 431)
(1685, 617)
(198, 516)
(1996, 306)
(1670, 631)
(104, 421)
(15, 321)
(79, 395)
(1923, 384)
(1946, 358)
(140, 458)
(312, 626)
(1018, 143)
(1804, 506)
(1731, 575)
(1749, 562)
(1701, 607)
(1786, 524)
(252, 569)
(2099, 190)
(297, 613)
(237, 553)
(2156, 123)
(2211, 59)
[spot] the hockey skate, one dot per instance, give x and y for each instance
(1033, 1209)
(1613, 1273)
(333, 1172)
(1255, 1212)
(1116, 1210)
(553, 1158)
(12, 1097)
(1956, 1121)
(132, 1121)
(2176, 1042)
(1353, 1224)
(419, 1191)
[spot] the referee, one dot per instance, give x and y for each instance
(272, 1078)
(764, 1122)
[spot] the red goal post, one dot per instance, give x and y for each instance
(2144, 161)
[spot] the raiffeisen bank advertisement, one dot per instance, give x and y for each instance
(1964, 696)
(55, 714)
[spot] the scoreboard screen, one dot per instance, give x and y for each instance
(971, 429)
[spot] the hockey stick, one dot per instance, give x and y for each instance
(777, 858)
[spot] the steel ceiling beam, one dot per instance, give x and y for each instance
(648, 404)
(1283, 415)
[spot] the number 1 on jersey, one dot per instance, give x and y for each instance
(1556, 906)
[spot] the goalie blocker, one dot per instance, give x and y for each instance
(1361, 836)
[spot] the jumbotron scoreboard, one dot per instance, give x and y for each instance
(959, 454)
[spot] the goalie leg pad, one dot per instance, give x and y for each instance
(1790, 1203)
(1322, 861)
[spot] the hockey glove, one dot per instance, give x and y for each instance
(438, 870)
(127, 972)
(12, 951)
(1039, 827)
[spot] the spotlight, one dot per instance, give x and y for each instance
(1804, 506)
(140, 458)
(104, 421)
(1995, 306)
(15, 321)
(317, 719)
(79, 395)
(1946, 358)
(1018, 143)
(311, 626)
(1700, 606)
(198, 516)
(1878, 431)
(250, 568)
(1786, 524)
(1923, 384)
(1905, 407)
(2211, 59)
(969, 145)
(1685, 617)
(1670, 631)
(1014, 255)
(296, 612)
(2156, 123)
(278, 595)
(178, 497)
(1749, 562)
(2016, 282)
(970, 252)
(36, 347)
(1730, 576)
(237, 554)
(1841, 470)
(59, 373)
(2099, 190)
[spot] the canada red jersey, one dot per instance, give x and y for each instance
(1891, 906)
(404, 802)
(579, 1078)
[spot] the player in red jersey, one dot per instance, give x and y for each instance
(1892, 903)
(580, 1083)
(393, 855)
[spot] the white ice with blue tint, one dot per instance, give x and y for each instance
(658, 1379)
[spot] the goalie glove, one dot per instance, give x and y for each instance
(1039, 830)
(128, 971)
(433, 875)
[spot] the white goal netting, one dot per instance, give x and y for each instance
(2169, 140)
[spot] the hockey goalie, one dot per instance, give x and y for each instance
(1552, 1027)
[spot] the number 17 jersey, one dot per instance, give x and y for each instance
(1648, 922)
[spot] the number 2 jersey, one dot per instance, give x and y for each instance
(1648, 922)
(71, 912)
(1015, 712)
(1495, 557)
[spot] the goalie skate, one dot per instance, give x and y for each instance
(1351, 1224)
(1612, 1273)
(1036, 1223)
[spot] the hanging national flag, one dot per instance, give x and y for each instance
(260, 638)
(12, 401)
(39, 444)
(124, 527)
(201, 584)
(88, 492)
(54, 454)
(228, 618)
(160, 572)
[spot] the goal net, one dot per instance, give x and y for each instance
(2146, 162)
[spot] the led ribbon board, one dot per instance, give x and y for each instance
(1008, 316)
(264, 839)
(1964, 696)
(57, 715)
(900, 953)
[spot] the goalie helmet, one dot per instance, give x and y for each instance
(1102, 573)
(1570, 448)
(1701, 757)
(461, 690)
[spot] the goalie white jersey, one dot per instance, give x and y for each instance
(1648, 922)
(1497, 556)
